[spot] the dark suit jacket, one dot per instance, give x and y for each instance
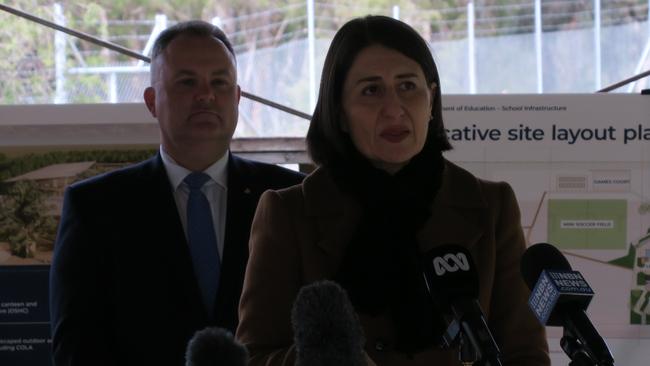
(122, 288)
(299, 236)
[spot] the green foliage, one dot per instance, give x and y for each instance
(22, 222)
(27, 72)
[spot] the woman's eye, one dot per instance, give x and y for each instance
(370, 90)
(407, 85)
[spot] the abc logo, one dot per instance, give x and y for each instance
(450, 263)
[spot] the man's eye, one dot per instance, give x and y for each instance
(219, 82)
(187, 82)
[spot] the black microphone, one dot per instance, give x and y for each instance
(560, 297)
(452, 281)
(326, 328)
(215, 346)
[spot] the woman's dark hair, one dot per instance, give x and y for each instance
(326, 141)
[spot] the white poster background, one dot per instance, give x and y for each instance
(569, 147)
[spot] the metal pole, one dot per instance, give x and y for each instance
(538, 46)
(160, 24)
(60, 96)
(471, 51)
(640, 64)
(112, 87)
(311, 41)
(396, 12)
(597, 51)
(624, 82)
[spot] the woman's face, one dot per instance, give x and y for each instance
(387, 107)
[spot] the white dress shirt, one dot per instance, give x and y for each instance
(215, 190)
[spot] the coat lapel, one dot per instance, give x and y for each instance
(457, 214)
(336, 215)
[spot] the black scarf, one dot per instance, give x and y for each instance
(381, 268)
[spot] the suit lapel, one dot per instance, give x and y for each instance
(241, 204)
(171, 245)
(242, 200)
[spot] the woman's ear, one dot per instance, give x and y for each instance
(433, 91)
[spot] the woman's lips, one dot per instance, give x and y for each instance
(394, 134)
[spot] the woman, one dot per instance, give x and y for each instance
(381, 196)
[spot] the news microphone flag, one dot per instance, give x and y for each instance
(554, 285)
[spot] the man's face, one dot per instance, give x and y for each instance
(194, 94)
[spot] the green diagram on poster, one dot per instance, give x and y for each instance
(587, 223)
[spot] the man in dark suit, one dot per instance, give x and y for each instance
(147, 255)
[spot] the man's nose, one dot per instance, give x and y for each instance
(204, 92)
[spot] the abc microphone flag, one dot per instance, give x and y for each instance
(452, 281)
(449, 273)
(450, 263)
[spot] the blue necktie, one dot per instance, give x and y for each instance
(202, 240)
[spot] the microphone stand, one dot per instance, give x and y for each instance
(470, 350)
(581, 342)
(575, 350)
(475, 330)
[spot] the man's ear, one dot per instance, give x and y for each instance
(238, 93)
(150, 100)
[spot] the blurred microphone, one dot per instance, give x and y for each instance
(560, 297)
(214, 346)
(452, 281)
(326, 328)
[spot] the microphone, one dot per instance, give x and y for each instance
(452, 282)
(326, 328)
(215, 346)
(560, 297)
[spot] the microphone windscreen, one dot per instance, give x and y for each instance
(539, 257)
(215, 346)
(326, 328)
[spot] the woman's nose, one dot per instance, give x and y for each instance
(392, 104)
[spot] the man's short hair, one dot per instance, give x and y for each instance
(196, 28)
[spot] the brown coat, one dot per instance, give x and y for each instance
(299, 235)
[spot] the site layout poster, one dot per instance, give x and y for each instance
(580, 168)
